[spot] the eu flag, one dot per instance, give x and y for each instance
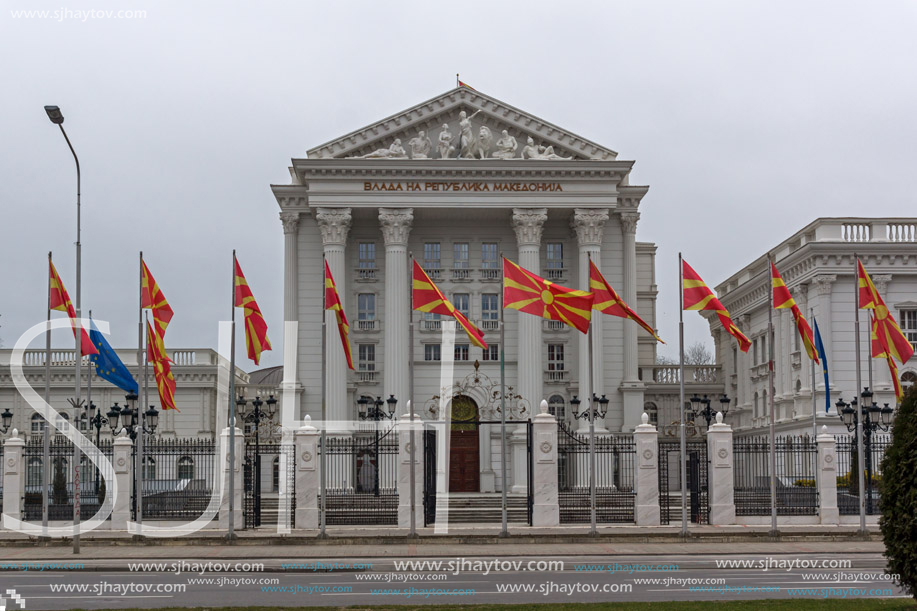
(824, 363)
(108, 365)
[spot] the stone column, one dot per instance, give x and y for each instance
(307, 475)
(801, 294)
(742, 368)
(528, 223)
(12, 475)
(335, 225)
(827, 477)
(721, 488)
(646, 480)
(235, 471)
(589, 226)
(823, 284)
(290, 222)
(545, 508)
(121, 460)
(407, 425)
(631, 386)
(396, 227)
(881, 376)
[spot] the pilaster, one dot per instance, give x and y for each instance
(396, 228)
(290, 220)
(824, 284)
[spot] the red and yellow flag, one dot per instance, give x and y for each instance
(880, 350)
(256, 339)
(58, 299)
(427, 297)
(886, 327)
(607, 300)
(698, 296)
(526, 292)
(162, 368)
(151, 298)
(783, 299)
(333, 302)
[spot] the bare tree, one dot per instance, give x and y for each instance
(662, 359)
(698, 354)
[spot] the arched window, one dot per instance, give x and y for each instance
(908, 378)
(185, 468)
(38, 424)
(33, 473)
(798, 386)
(149, 468)
(755, 412)
(652, 412)
(557, 407)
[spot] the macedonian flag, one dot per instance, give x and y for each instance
(333, 302)
(151, 298)
(526, 292)
(427, 297)
(698, 296)
(880, 350)
(783, 299)
(255, 328)
(608, 302)
(58, 299)
(886, 327)
(162, 368)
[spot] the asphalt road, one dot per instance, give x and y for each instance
(111, 584)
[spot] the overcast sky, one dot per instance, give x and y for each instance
(747, 119)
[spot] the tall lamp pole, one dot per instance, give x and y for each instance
(57, 118)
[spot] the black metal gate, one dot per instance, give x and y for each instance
(361, 479)
(697, 469)
(262, 502)
(429, 477)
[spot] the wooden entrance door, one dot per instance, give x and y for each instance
(464, 463)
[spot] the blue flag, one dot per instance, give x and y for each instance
(824, 363)
(108, 365)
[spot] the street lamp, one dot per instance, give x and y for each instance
(7, 416)
(591, 414)
(256, 416)
(873, 419)
(376, 413)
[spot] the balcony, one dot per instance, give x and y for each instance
(671, 374)
(490, 274)
(365, 274)
(460, 274)
(367, 377)
(489, 325)
(555, 326)
(431, 325)
(555, 377)
(433, 270)
(368, 325)
(555, 274)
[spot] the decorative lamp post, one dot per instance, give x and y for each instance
(593, 412)
(128, 419)
(7, 417)
(256, 416)
(873, 419)
(376, 413)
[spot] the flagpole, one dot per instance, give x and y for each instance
(410, 403)
(591, 398)
(770, 382)
(230, 534)
(504, 532)
(46, 441)
(139, 419)
(141, 372)
(681, 390)
(88, 412)
(858, 415)
(814, 398)
(323, 492)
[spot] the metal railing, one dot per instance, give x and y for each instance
(178, 477)
(368, 325)
(61, 487)
(848, 483)
(670, 374)
(361, 474)
(796, 459)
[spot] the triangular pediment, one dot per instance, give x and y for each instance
(487, 118)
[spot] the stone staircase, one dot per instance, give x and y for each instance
(486, 508)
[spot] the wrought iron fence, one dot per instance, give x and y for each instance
(263, 473)
(614, 477)
(361, 475)
(848, 484)
(697, 502)
(178, 477)
(796, 458)
(61, 485)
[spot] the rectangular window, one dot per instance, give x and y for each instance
(461, 352)
(431, 352)
(754, 351)
(489, 256)
(490, 306)
(491, 353)
(909, 325)
(460, 255)
(431, 256)
(764, 356)
(555, 357)
(462, 303)
(555, 252)
(367, 357)
(367, 255)
(366, 306)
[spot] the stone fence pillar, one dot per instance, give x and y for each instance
(646, 479)
(234, 471)
(721, 489)
(307, 475)
(121, 461)
(545, 509)
(12, 475)
(827, 477)
(410, 424)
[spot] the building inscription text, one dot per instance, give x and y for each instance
(462, 186)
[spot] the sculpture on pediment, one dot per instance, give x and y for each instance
(445, 146)
(506, 146)
(420, 146)
(470, 146)
(531, 151)
(395, 151)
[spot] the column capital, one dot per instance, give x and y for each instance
(290, 222)
(881, 281)
(396, 225)
(335, 225)
(823, 283)
(589, 224)
(528, 223)
(629, 221)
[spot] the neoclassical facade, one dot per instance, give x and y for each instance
(366, 205)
